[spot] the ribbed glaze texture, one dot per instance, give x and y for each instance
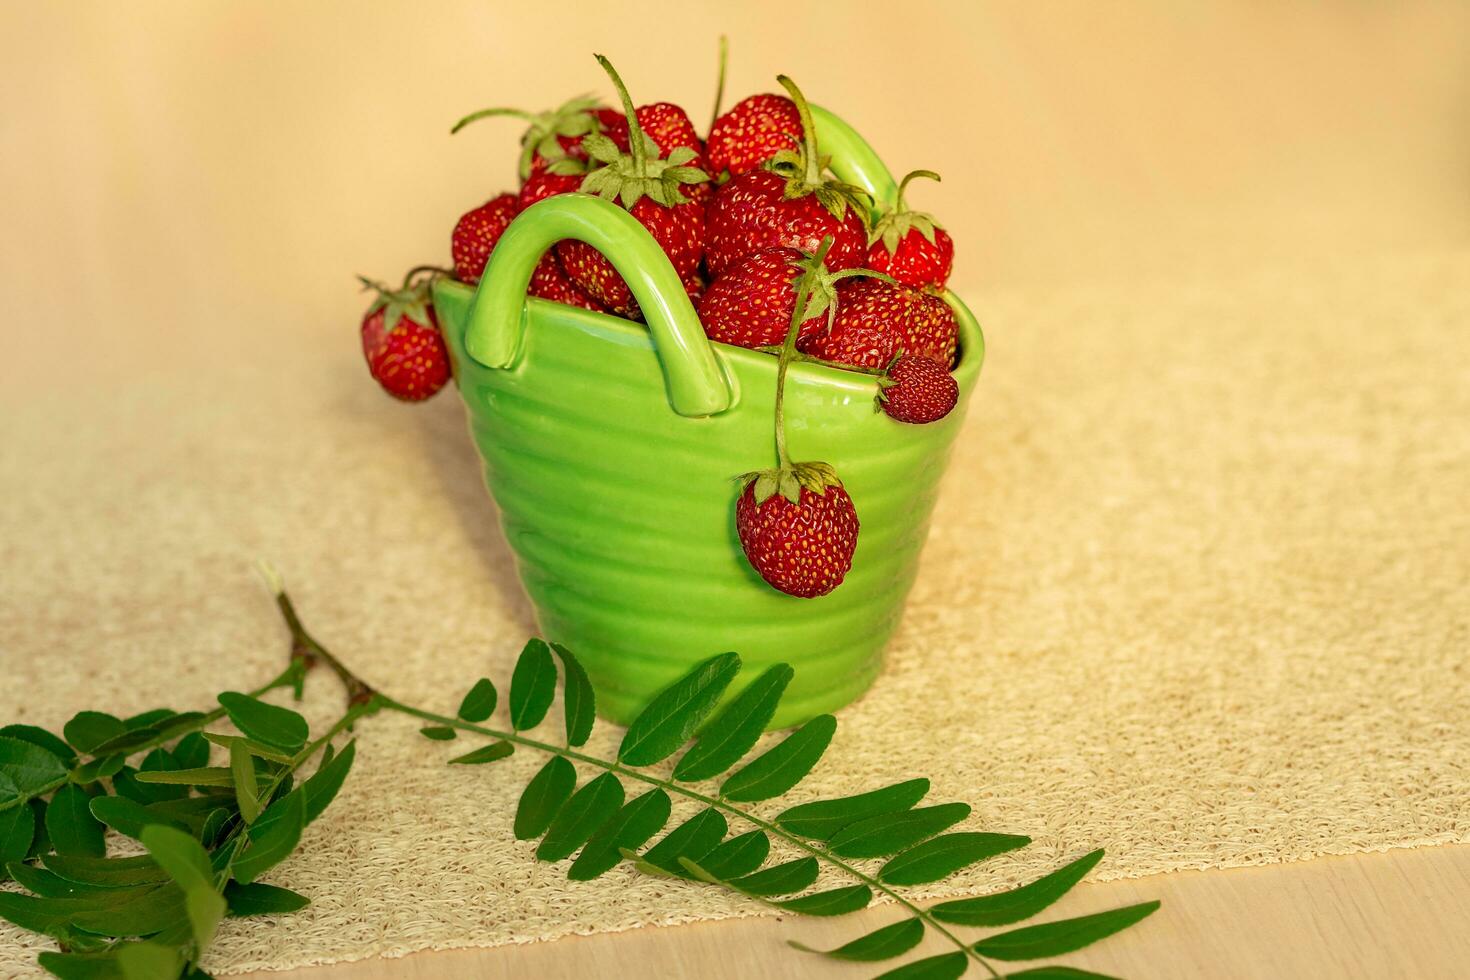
(621, 513)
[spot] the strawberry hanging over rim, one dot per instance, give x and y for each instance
(910, 245)
(796, 523)
(401, 342)
(652, 189)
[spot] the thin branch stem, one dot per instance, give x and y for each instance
(788, 347)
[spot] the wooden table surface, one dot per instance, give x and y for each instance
(1398, 914)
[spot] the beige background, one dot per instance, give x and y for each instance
(1198, 587)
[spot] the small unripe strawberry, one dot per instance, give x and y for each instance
(917, 390)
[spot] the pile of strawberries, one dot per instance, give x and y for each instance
(775, 254)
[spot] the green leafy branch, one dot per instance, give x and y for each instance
(211, 831)
(602, 827)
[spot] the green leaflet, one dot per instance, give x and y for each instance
(255, 748)
(880, 944)
(479, 702)
(634, 824)
(259, 898)
(10, 794)
(822, 819)
(242, 777)
(836, 901)
(673, 715)
(1064, 936)
(438, 733)
(532, 685)
(323, 785)
(737, 856)
(944, 855)
(187, 863)
(41, 738)
(99, 768)
(783, 766)
(268, 723)
(128, 742)
(579, 701)
(945, 966)
(588, 809)
(31, 768)
(780, 879)
(273, 837)
(107, 872)
(736, 729)
(893, 832)
(89, 729)
(149, 961)
(40, 840)
(207, 776)
(1019, 903)
(17, 831)
(126, 816)
(70, 824)
(493, 752)
(130, 912)
(543, 797)
(694, 838)
(191, 751)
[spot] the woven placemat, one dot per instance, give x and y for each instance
(1196, 591)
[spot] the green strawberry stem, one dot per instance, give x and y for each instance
(813, 172)
(434, 270)
(635, 132)
(719, 84)
(899, 204)
(788, 349)
(487, 113)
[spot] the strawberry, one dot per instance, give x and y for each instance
(670, 129)
(548, 281)
(910, 246)
(917, 389)
(650, 188)
(802, 539)
(477, 232)
(401, 341)
(877, 319)
(797, 525)
(752, 304)
(752, 132)
(695, 288)
(553, 140)
(790, 204)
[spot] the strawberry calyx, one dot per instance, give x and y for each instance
(790, 480)
(641, 172)
(895, 223)
(571, 119)
(804, 169)
(411, 300)
(823, 290)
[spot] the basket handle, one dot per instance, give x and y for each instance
(696, 384)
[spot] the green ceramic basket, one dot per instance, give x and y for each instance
(610, 448)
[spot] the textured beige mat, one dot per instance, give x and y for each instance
(1196, 591)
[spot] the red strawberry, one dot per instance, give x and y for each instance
(670, 129)
(548, 281)
(553, 139)
(789, 204)
(751, 133)
(918, 390)
(401, 341)
(801, 539)
(477, 232)
(752, 304)
(875, 320)
(910, 246)
(540, 186)
(651, 188)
